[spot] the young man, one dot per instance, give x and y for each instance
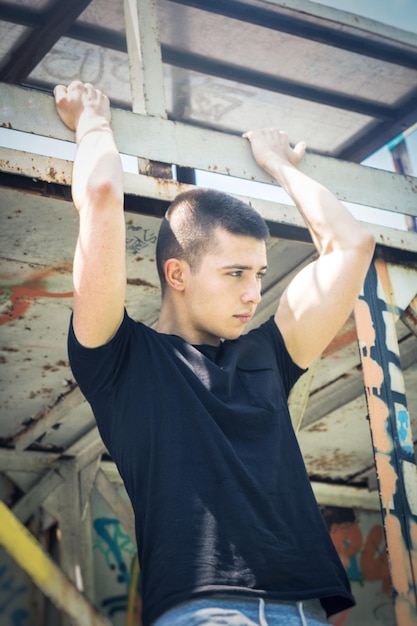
(194, 412)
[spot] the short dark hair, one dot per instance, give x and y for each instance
(186, 231)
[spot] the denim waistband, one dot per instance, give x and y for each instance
(244, 611)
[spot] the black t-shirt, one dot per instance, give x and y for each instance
(203, 440)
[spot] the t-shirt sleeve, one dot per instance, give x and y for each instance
(272, 340)
(95, 369)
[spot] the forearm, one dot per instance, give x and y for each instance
(97, 173)
(331, 225)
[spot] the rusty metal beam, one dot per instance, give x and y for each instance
(30, 461)
(299, 396)
(349, 387)
(409, 316)
(392, 440)
(33, 559)
(48, 418)
(35, 497)
(39, 41)
(115, 501)
(150, 195)
(213, 151)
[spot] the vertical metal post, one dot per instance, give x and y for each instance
(146, 70)
(392, 440)
(145, 59)
(402, 165)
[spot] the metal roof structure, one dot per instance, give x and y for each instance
(186, 78)
(228, 64)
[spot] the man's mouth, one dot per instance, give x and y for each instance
(243, 317)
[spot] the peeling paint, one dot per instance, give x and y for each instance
(392, 439)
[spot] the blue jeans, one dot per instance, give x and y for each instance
(237, 611)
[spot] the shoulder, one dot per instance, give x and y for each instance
(95, 367)
(266, 339)
(265, 346)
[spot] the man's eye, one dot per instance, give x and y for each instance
(261, 275)
(236, 274)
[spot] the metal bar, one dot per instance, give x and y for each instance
(30, 461)
(300, 393)
(329, 399)
(116, 503)
(35, 497)
(26, 56)
(86, 448)
(52, 170)
(307, 9)
(50, 416)
(375, 315)
(31, 557)
(64, 504)
(380, 134)
(345, 496)
(402, 165)
(270, 82)
(409, 316)
(185, 145)
(145, 61)
(87, 478)
(343, 30)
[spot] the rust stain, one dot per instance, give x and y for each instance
(318, 427)
(140, 282)
(330, 464)
(22, 295)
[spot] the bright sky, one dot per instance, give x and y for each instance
(399, 13)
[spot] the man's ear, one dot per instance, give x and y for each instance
(175, 273)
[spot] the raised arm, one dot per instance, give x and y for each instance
(320, 298)
(97, 190)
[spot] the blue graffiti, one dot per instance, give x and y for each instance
(113, 542)
(403, 430)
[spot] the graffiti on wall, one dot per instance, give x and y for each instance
(16, 297)
(138, 238)
(120, 557)
(364, 558)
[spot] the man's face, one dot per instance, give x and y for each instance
(222, 295)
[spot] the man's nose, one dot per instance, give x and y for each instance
(252, 292)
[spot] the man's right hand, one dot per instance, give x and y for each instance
(82, 107)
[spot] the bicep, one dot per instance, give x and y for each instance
(318, 301)
(99, 274)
